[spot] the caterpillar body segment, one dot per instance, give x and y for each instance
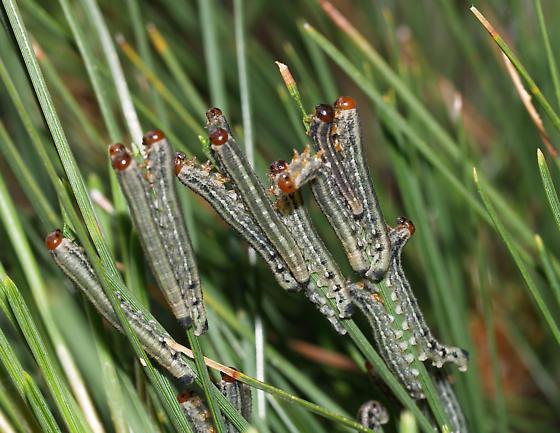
(239, 395)
(156, 341)
(372, 414)
(347, 137)
(196, 412)
(401, 291)
(234, 164)
(348, 230)
(319, 261)
(187, 303)
(321, 131)
(145, 217)
(389, 340)
(226, 202)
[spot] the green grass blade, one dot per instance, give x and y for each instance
(143, 44)
(549, 53)
(533, 88)
(26, 180)
(72, 416)
(549, 270)
(161, 88)
(26, 387)
(39, 405)
(212, 53)
(187, 87)
(531, 285)
(206, 383)
(92, 65)
(549, 188)
(499, 398)
(127, 107)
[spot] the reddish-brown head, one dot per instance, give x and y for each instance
(151, 137)
(345, 103)
(180, 159)
(403, 221)
(286, 184)
(121, 160)
(184, 396)
(213, 113)
(54, 239)
(219, 137)
(324, 112)
(278, 167)
(115, 149)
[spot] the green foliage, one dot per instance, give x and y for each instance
(436, 101)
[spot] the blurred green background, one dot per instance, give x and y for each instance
(441, 103)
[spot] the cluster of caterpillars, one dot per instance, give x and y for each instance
(275, 223)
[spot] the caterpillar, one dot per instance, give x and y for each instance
(146, 217)
(212, 187)
(234, 164)
(321, 130)
(396, 281)
(196, 412)
(73, 262)
(389, 341)
(347, 137)
(160, 161)
(320, 262)
(449, 401)
(239, 395)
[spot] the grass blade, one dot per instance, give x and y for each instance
(506, 237)
(533, 88)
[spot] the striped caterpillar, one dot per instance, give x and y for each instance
(156, 341)
(347, 137)
(401, 292)
(389, 340)
(212, 187)
(234, 165)
(239, 395)
(200, 418)
(196, 412)
(450, 404)
(158, 221)
(289, 204)
(226, 202)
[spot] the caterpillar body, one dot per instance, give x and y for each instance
(239, 395)
(295, 217)
(147, 219)
(401, 292)
(234, 164)
(196, 412)
(160, 162)
(156, 341)
(389, 341)
(347, 137)
(212, 187)
(372, 414)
